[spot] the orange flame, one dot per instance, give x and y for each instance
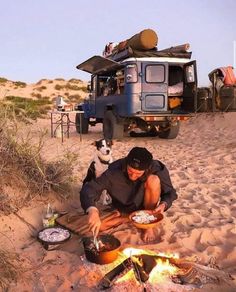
(159, 273)
(162, 271)
(130, 251)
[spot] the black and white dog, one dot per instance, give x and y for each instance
(100, 162)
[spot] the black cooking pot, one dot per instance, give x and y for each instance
(108, 249)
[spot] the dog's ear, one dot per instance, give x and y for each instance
(109, 143)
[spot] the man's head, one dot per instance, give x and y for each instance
(138, 160)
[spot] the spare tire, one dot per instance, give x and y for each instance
(169, 132)
(111, 128)
(84, 124)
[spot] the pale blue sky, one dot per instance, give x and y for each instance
(48, 38)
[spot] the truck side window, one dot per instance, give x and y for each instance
(155, 73)
(190, 73)
(131, 73)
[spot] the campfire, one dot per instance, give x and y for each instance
(150, 268)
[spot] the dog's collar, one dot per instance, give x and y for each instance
(104, 161)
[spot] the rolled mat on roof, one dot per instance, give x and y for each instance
(145, 40)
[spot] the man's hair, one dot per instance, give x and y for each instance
(139, 158)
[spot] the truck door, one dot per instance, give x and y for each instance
(190, 87)
(154, 78)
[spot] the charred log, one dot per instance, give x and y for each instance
(143, 265)
(108, 280)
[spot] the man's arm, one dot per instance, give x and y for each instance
(168, 198)
(168, 192)
(89, 194)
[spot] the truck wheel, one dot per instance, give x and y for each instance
(84, 124)
(170, 132)
(111, 129)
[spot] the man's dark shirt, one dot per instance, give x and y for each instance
(127, 196)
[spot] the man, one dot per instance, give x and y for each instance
(135, 182)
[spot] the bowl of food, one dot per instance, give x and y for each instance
(145, 219)
(103, 251)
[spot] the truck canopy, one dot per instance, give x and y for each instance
(98, 64)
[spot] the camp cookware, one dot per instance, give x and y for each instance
(145, 219)
(107, 251)
(53, 236)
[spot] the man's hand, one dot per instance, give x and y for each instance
(161, 207)
(94, 221)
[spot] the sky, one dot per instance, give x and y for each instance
(49, 38)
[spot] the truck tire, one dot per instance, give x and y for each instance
(84, 124)
(170, 132)
(111, 128)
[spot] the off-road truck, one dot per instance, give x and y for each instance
(145, 89)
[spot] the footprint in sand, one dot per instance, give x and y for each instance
(193, 241)
(183, 184)
(183, 176)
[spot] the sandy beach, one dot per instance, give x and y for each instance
(199, 226)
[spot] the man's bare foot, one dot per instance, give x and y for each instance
(150, 235)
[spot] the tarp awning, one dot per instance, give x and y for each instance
(98, 64)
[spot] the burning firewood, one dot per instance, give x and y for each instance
(143, 265)
(185, 272)
(108, 280)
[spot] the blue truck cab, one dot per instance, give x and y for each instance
(139, 92)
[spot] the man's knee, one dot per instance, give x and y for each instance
(153, 182)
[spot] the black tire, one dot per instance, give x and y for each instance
(111, 128)
(84, 124)
(170, 132)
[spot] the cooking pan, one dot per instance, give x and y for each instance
(53, 236)
(108, 249)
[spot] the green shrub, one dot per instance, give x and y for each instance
(72, 87)
(28, 108)
(41, 81)
(3, 80)
(38, 175)
(75, 98)
(59, 87)
(37, 95)
(41, 88)
(59, 79)
(20, 84)
(73, 80)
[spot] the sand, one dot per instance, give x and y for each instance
(199, 226)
